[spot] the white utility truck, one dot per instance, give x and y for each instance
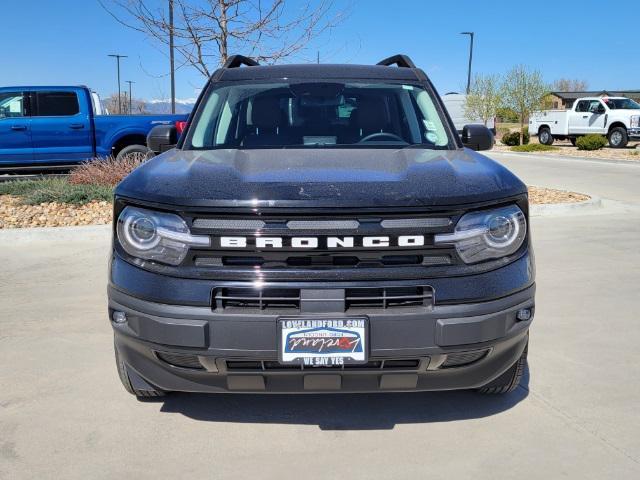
(455, 103)
(617, 118)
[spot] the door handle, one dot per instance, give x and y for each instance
(585, 116)
(76, 126)
(18, 127)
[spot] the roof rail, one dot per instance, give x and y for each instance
(400, 60)
(235, 61)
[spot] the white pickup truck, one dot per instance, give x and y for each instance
(618, 118)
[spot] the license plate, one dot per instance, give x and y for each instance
(323, 342)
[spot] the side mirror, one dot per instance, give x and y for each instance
(601, 109)
(162, 138)
(477, 137)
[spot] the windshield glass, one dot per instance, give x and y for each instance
(621, 104)
(317, 115)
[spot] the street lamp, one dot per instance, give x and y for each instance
(171, 59)
(470, 58)
(130, 97)
(118, 57)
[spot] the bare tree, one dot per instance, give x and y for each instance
(206, 32)
(138, 107)
(484, 98)
(570, 85)
(523, 90)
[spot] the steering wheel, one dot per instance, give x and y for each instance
(373, 136)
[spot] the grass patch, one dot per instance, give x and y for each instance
(33, 192)
(533, 147)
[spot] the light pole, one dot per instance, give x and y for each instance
(130, 97)
(171, 59)
(118, 57)
(471, 34)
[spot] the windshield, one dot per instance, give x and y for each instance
(621, 104)
(317, 115)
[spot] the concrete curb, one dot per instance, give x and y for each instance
(564, 157)
(11, 236)
(552, 209)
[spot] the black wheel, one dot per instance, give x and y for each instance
(545, 137)
(509, 380)
(126, 381)
(618, 137)
(573, 140)
(137, 152)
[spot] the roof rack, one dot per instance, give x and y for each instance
(236, 61)
(402, 61)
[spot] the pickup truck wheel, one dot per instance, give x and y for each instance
(509, 380)
(573, 141)
(126, 381)
(137, 152)
(545, 136)
(618, 137)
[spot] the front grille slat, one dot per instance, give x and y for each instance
(266, 298)
(411, 364)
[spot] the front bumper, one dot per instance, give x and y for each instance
(427, 337)
(633, 133)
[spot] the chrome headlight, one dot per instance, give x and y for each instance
(162, 237)
(635, 121)
(487, 234)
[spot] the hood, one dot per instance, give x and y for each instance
(409, 177)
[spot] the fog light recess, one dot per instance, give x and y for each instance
(524, 314)
(119, 317)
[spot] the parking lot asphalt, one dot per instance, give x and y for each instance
(64, 414)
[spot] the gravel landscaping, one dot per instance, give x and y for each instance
(15, 214)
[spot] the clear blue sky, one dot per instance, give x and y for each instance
(67, 42)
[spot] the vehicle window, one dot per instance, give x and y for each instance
(621, 104)
(594, 105)
(318, 115)
(583, 106)
(57, 104)
(12, 105)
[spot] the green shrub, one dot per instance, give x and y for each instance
(591, 142)
(533, 147)
(512, 139)
(59, 190)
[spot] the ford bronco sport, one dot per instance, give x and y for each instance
(320, 228)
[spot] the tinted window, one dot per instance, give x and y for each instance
(583, 106)
(318, 115)
(11, 104)
(57, 104)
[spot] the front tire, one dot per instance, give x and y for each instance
(509, 380)
(545, 137)
(137, 152)
(618, 137)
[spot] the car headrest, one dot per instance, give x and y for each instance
(265, 112)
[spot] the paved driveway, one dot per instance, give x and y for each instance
(63, 413)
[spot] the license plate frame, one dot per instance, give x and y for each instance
(319, 341)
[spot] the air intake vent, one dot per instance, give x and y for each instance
(463, 358)
(258, 298)
(388, 297)
(181, 360)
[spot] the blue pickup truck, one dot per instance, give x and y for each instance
(53, 126)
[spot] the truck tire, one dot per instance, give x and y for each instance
(573, 140)
(545, 137)
(136, 151)
(509, 380)
(126, 381)
(618, 137)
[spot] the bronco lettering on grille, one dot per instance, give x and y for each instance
(330, 242)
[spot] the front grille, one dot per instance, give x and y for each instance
(272, 365)
(276, 298)
(464, 358)
(321, 241)
(388, 297)
(181, 360)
